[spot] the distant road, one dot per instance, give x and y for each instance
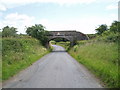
(55, 70)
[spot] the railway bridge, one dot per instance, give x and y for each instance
(72, 36)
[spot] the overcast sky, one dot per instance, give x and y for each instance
(81, 15)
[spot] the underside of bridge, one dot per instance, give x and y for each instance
(71, 36)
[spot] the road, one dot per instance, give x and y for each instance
(55, 70)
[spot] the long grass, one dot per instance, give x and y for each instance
(19, 53)
(99, 57)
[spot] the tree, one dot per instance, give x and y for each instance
(9, 31)
(115, 27)
(38, 32)
(101, 29)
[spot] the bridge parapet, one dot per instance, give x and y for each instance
(68, 34)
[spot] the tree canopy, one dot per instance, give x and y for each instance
(111, 33)
(115, 26)
(38, 31)
(101, 29)
(9, 31)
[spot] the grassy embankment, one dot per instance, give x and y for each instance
(19, 53)
(100, 57)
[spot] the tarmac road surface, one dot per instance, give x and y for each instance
(55, 70)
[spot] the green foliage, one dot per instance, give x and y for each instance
(115, 27)
(109, 35)
(0, 34)
(91, 36)
(18, 53)
(113, 33)
(100, 57)
(9, 31)
(102, 28)
(38, 32)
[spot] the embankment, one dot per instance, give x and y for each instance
(99, 57)
(19, 53)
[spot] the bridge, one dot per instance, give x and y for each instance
(72, 36)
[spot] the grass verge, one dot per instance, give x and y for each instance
(99, 57)
(19, 53)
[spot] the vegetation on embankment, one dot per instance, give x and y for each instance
(19, 53)
(100, 53)
(101, 58)
(98, 56)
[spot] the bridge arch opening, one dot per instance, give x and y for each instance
(61, 41)
(58, 40)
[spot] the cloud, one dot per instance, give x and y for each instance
(5, 4)
(2, 8)
(44, 22)
(17, 20)
(45, 1)
(53, 1)
(15, 3)
(114, 15)
(104, 1)
(85, 25)
(112, 7)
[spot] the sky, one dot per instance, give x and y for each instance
(80, 15)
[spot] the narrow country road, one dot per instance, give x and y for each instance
(55, 70)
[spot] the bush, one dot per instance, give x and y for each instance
(110, 36)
